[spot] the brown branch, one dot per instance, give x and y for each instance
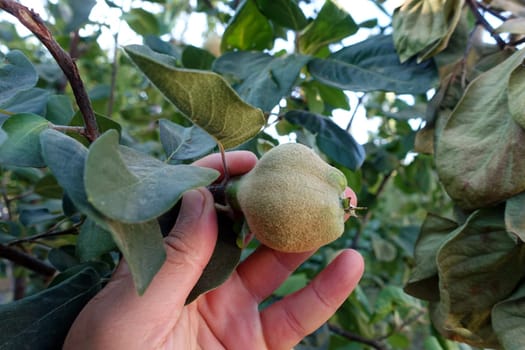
(474, 7)
(35, 24)
(356, 338)
(26, 260)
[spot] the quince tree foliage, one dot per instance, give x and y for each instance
(420, 106)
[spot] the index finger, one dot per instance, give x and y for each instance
(238, 162)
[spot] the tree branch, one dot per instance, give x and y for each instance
(356, 338)
(474, 7)
(26, 261)
(34, 23)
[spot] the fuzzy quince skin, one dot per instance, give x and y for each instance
(293, 200)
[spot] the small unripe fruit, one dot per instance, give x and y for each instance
(292, 200)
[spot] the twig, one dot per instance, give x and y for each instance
(26, 261)
(358, 104)
(48, 234)
(66, 128)
(368, 214)
(517, 42)
(492, 11)
(405, 323)
(355, 337)
(34, 23)
(474, 7)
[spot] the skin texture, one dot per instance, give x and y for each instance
(225, 318)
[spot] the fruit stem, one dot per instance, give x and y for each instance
(225, 197)
(226, 177)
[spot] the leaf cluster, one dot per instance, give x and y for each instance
(440, 172)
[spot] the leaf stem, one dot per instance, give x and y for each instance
(225, 168)
(3, 111)
(32, 21)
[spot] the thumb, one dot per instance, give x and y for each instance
(190, 243)
(188, 249)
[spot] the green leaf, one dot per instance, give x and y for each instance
(263, 79)
(33, 101)
(66, 159)
(391, 299)
(514, 218)
(424, 27)
(224, 259)
(507, 320)
(335, 142)
(133, 187)
(141, 244)
(22, 147)
(513, 26)
(292, 284)
(32, 216)
(286, 13)
(142, 21)
(3, 136)
(423, 281)
(42, 320)
(80, 11)
(471, 264)
(17, 73)
(204, 97)
(383, 249)
(143, 248)
(248, 29)
(62, 258)
(331, 25)
(104, 124)
(374, 65)
(332, 97)
(48, 187)
(59, 110)
(196, 58)
(182, 143)
(93, 241)
(516, 97)
(479, 151)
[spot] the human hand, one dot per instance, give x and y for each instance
(227, 317)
